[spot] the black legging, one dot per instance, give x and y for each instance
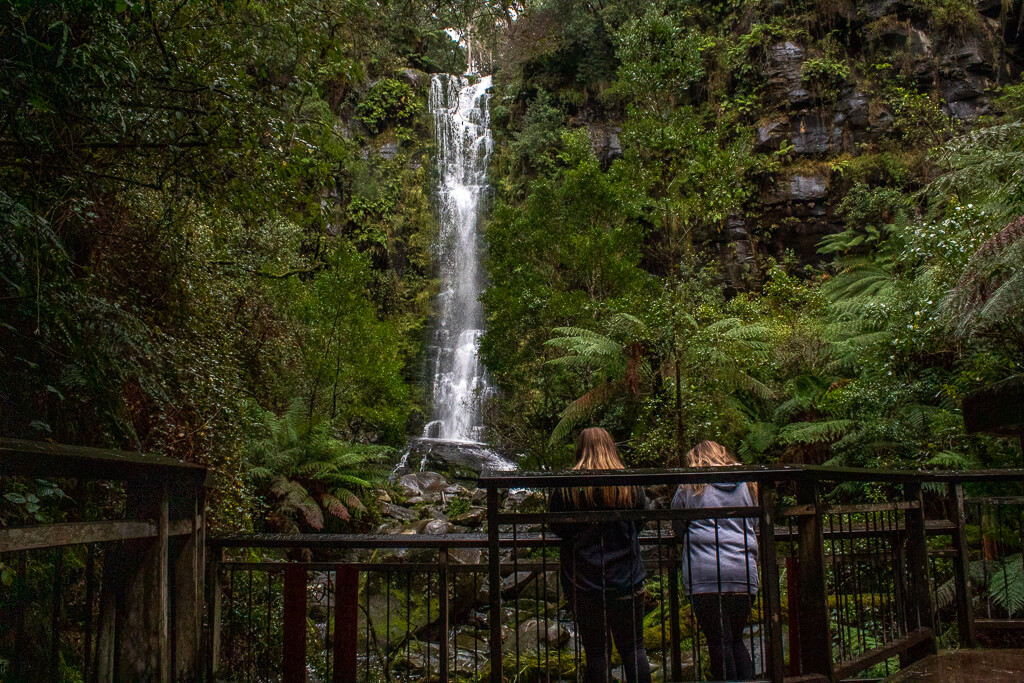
(602, 618)
(722, 617)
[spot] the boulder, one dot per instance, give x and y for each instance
(389, 150)
(465, 555)
(431, 512)
(397, 512)
(526, 501)
(422, 484)
(437, 527)
(534, 632)
(473, 518)
(416, 78)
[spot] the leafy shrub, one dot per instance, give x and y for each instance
(389, 102)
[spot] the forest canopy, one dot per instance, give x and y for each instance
(791, 227)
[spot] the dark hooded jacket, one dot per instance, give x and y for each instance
(719, 555)
(599, 556)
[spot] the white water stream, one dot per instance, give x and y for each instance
(463, 137)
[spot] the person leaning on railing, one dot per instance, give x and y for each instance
(719, 562)
(602, 572)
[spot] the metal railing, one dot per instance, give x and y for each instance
(847, 589)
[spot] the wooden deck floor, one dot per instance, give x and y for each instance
(966, 666)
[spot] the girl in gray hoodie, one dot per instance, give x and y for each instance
(719, 563)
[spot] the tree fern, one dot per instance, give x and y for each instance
(307, 475)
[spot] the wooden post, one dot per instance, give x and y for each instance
(815, 638)
(961, 571)
(293, 669)
(132, 644)
(346, 622)
(918, 597)
(445, 611)
(187, 570)
(494, 584)
(770, 584)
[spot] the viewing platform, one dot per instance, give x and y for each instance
(851, 589)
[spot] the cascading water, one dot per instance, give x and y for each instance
(461, 126)
(463, 145)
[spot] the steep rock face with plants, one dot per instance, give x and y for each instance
(755, 222)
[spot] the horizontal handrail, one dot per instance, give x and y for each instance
(15, 539)
(41, 458)
(500, 479)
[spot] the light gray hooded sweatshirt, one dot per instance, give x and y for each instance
(722, 560)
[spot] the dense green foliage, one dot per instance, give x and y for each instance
(196, 227)
(607, 302)
(215, 230)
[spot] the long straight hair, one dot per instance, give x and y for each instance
(713, 454)
(595, 450)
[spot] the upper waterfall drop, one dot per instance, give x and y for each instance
(462, 130)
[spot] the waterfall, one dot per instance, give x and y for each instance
(461, 125)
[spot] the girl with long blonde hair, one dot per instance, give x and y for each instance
(719, 562)
(602, 572)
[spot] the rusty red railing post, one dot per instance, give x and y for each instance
(346, 622)
(293, 667)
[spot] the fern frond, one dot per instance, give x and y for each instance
(814, 432)
(584, 407)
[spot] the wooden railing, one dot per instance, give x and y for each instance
(118, 598)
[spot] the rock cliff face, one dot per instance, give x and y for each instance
(905, 75)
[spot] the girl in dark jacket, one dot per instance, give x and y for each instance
(602, 573)
(719, 563)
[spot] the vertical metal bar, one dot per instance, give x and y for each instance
(215, 601)
(366, 596)
(542, 598)
(961, 569)
(515, 596)
(675, 637)
(293, 668)
(163, 584)
(21, 644)
(494, 584)
(90, 598)
(346, 622)
(408, 621)
(770, 572)
(58, 590)
(427, 656)
(249, 645)
(444, 612)
(269, 602)
(793, 599)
